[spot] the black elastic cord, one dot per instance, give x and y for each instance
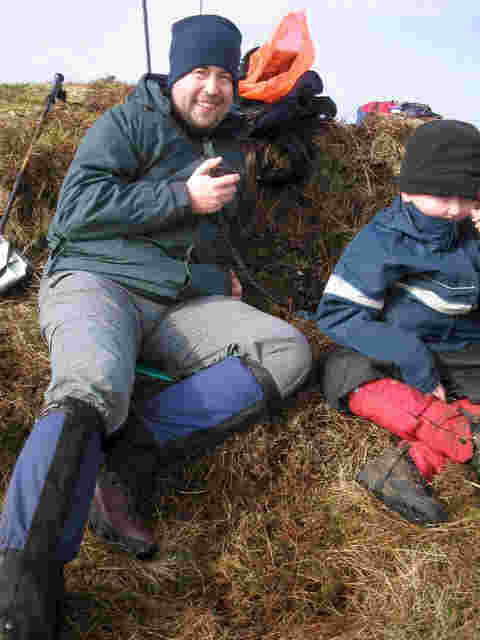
(242, 267)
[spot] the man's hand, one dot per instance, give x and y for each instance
(208, 194)
(236, 286)
(476, 218)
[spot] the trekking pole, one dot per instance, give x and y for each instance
(56, 92)
(14, 267)
(147, 39)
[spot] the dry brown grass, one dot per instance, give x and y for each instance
(271, 537)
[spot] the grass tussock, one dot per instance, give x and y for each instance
(269, 537)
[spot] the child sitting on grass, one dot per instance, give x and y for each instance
(402, 304)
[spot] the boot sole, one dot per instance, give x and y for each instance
(139, 548)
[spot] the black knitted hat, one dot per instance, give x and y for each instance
(202, 41)
(442, 158)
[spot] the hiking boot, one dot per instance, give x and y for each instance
(394, 479)
(114, 518)
(31, 593)
(43, 609)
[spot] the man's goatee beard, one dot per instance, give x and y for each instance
(191, 128)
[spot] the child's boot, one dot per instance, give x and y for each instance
(395, 480)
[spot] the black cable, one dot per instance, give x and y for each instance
(242, 267)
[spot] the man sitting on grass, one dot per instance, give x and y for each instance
(127, 280)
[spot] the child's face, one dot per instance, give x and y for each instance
(447, 207)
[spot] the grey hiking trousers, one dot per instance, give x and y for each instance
(97, 330)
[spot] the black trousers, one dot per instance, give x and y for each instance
(345, 369)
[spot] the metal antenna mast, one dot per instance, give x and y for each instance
(147, 40)
(201, 6)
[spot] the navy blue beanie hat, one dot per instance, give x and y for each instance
(442, 158)
(202, 41)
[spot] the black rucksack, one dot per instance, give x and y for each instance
(289, 124)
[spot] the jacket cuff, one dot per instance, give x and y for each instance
(426, 384)
(209, 279)
(181, 199)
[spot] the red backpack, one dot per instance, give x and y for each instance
(376, 107)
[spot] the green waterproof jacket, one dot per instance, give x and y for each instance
(123, 209)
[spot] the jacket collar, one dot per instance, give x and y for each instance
(436, 232)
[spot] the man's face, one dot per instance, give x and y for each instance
(203, 97)
(453, 208)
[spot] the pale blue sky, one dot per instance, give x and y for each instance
(415, 50)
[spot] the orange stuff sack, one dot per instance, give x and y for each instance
(274, 68)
